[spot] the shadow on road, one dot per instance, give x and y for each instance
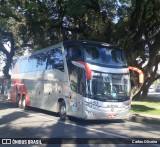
(77, 120)
(18, 124)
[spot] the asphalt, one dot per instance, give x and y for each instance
(141, 118)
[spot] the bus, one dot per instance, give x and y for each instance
(79, 78)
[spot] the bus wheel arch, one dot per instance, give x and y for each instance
(62, 109)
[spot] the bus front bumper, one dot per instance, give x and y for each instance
(117, 113)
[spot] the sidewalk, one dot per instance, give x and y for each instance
(142, 118)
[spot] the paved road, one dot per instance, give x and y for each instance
(16, 123)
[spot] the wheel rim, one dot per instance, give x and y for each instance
(19, 103)
(63, 110)
(24, 103)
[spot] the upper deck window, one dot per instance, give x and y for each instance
(73, 53)
(104, 55)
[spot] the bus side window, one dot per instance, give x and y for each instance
(41, 62)
(58, 59)
(55, 59)
(73, 76)
(29, 64)
(81, 81)
(77, 80)
(73, 53)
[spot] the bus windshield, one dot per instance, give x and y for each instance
(104, 55)
(106, 86)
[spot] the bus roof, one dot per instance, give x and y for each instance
(87, 41)
(68, 42)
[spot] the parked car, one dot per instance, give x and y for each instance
(158, 88)
(152, 88)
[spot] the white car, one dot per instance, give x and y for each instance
(152, 88)
(158, 88)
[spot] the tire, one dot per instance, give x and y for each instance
(20, 103)
(18, 100)
(23, 105)
(62, 111)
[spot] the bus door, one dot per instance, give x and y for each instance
(76, 73)
(77, 84)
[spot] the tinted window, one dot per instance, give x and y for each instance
(41, 61)
(55, 59)
(77, 79)
(37, 62)
(22, 65)
(45, 60)
(107, 56)
(73, 76)
(73, 52)
(81, 81)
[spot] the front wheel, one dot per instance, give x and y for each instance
(62, 111)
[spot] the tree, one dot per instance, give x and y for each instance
(140, 32)
(130, 24)
(6, 35)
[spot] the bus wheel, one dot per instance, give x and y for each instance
(24, 106)
(62, 110)
(20, 103)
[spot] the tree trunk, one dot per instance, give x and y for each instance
(9, 55)
(142, 94)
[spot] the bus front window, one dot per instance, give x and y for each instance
(105, 87)
(104, 56)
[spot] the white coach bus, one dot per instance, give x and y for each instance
(84, 79)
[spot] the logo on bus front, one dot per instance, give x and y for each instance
(112, 106)
(112, 109)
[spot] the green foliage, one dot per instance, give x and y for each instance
(77, 8)
(131, 24)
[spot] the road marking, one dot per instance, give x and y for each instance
(90, 129)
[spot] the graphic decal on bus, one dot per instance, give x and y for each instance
(20, 88)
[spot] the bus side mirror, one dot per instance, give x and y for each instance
(141, 75)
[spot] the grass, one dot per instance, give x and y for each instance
(150, 106)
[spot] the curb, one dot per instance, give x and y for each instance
(144, 119)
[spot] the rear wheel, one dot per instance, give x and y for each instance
(24, 106)
(62, 111)
(20, 103)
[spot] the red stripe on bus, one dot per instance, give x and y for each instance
(24, 91)
(87, 69)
